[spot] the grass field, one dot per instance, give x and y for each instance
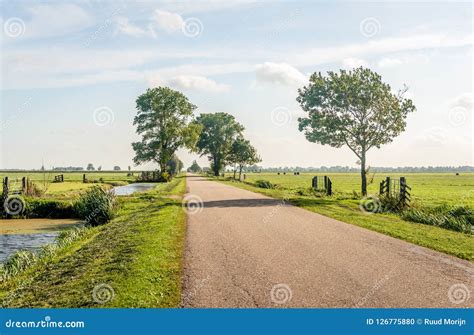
(427, 188)
(72, 184)
(138, 255)
(38, 176)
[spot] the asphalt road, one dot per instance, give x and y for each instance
(244, 249)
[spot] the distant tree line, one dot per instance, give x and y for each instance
(407, 169)
(68, 168)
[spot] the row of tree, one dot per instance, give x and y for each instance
(165, 120)
(346, 108)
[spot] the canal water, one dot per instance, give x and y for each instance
(132, 188)
(30, 234)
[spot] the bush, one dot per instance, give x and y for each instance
(44, 208)
(264, 184)
(96, 206)
(17, 263)
(460, 218)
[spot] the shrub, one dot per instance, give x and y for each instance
(44, 208)
(389, 203)
(17, 263)
(96, 206)
(460, 218)
(264, 184)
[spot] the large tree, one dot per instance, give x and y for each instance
(195, 168)
(164, 120)
(219, 130)
(242, 154)
(174, 165)
(353, 108)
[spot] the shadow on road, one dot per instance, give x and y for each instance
(243, 203)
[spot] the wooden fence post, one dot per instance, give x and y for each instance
(24, 185)
(314, 182)
(5, 191)
(388, 186)
(329, 188)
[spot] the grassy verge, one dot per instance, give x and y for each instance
(133, 261)
(347, 210)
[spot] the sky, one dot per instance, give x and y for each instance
(72, 70)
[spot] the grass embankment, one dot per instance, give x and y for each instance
(138, 255)
(347, 210)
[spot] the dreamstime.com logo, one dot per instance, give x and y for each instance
(14, 205)
(14, 27)
(103, 293)
(458, 294)
(192, 27)
(192, 204)
(370, 26)
(103, 116)
(457, 116)
(281, 294)
(370, 204)
(46, 323)
(281, 116)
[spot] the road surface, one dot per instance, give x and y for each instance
(244, 249)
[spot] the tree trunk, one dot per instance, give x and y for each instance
(235, 171)
(216, 167)
(240, 172)
(162, 167)
(363, 175)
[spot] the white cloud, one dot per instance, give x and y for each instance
(351, 63)
(208, 5)
(432, 137)
(464, 100)
(389, 62)
(403, 60)
(124, 26)
(382, 46)
(169, 22)
(189, 82)
(56, 20)
(280, 73)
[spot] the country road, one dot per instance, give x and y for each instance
(247, 250)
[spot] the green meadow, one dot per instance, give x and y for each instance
(427, 188)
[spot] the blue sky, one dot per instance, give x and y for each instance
(71, 72)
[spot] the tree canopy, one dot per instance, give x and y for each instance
(164, 120)
(195, 168)
(174, 165)
(219, 130)
(242, 154)
(353, 108)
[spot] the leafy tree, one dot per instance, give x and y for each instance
(219, 130)
(174, 165)
(353, 108)
(242, 154)
(99, 168)
(195, 168)
(117, 168)
(164, 120)
(90, 167)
